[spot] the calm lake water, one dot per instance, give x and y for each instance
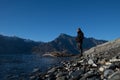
(24, 64)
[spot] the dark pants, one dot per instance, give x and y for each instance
(79, 45)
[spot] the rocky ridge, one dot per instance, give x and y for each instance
(98, 63)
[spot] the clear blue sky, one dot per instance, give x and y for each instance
(44, 20)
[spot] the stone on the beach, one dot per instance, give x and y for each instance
(77, 74)
(108, 72)
(61, 78)
(114, 76)
(36, 70)
(32, 77)
(90, 61)
(90, 75)
(52, 70)
(59, 74)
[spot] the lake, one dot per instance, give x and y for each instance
(18, 65)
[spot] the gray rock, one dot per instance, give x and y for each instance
(117, 64)
(32, 77)
(90, 61)
(114, 76)
(47, 75)
(12, 77)
(59, 74)
(74, 64)
(36, 70)
(77, 74)
(112, 66)
(92, 75)
(108, 72)
(61, 78)
(52, 70)
(101, 69)
(93, 78)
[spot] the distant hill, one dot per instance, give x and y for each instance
(66, 43)
(15, 45)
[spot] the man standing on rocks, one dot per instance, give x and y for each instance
(79, 40)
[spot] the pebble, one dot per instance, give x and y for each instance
(90, 61)
(101, 69)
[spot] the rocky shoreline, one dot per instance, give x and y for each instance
(82, 69)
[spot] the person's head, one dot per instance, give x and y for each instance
(78, 30)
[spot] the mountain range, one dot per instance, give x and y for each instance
(63, 43)
(66, 43)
